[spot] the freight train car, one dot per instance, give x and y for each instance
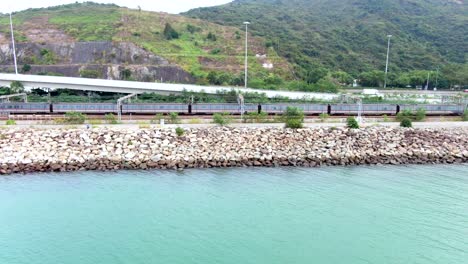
(367, 109)
(85, 108)
(308, 109)
(25, 108)
(433, 109)
(222, 108)
(155, 108)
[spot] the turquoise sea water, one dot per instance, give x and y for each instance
(415, 214)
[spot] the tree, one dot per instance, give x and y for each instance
(418, 78)
(372, 78)
(170, 32)
(327, 85)
(315, 74)
(16, 87)
(342, 77)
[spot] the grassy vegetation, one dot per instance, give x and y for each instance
(10, 122)
(222, 119)
(418, 115)
(111, 119)
(74, 118)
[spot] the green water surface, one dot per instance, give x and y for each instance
(415, 214)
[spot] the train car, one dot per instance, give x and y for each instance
(25, 108)
(154, 108)
(308, 109)
(222, 108)
(435, 109)
(367, 109)
(85, 108)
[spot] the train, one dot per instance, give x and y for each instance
(231, 108)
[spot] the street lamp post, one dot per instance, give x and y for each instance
(246, 52)
(386, 65)
(13, 42)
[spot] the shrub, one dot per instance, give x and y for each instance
(10, 122)
(215, 51)
(92, 74)
(465, 115)
(352, 123)
(157, 119)
(404, 114)
(180, 131)
(211, 37)
(254, 117)
(192, 29)
(324, 117)
(174, 118)
(126, 74)
(170, 32)
(293, 117)
(111, 119)
(221, 119)
(294, 123)
(406, 122)
(74, 118)
(420, 115)
(26, 68)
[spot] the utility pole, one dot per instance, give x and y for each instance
(246, 52)
(386, 65)
(437, 79)
(13, 43)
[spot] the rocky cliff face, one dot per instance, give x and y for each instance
(106, 59)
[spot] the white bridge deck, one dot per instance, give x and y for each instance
(99, 85)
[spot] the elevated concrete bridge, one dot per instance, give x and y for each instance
(126, 87)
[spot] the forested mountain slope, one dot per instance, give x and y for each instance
(351, 35)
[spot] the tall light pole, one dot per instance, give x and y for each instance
(13, 42)
(246, 52)
(386, 65)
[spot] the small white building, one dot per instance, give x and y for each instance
(370, 92)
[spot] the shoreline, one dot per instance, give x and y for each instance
(28, 150)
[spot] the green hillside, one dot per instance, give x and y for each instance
(210, 52)
(350, 35)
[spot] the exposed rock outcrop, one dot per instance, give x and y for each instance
(108, 58)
